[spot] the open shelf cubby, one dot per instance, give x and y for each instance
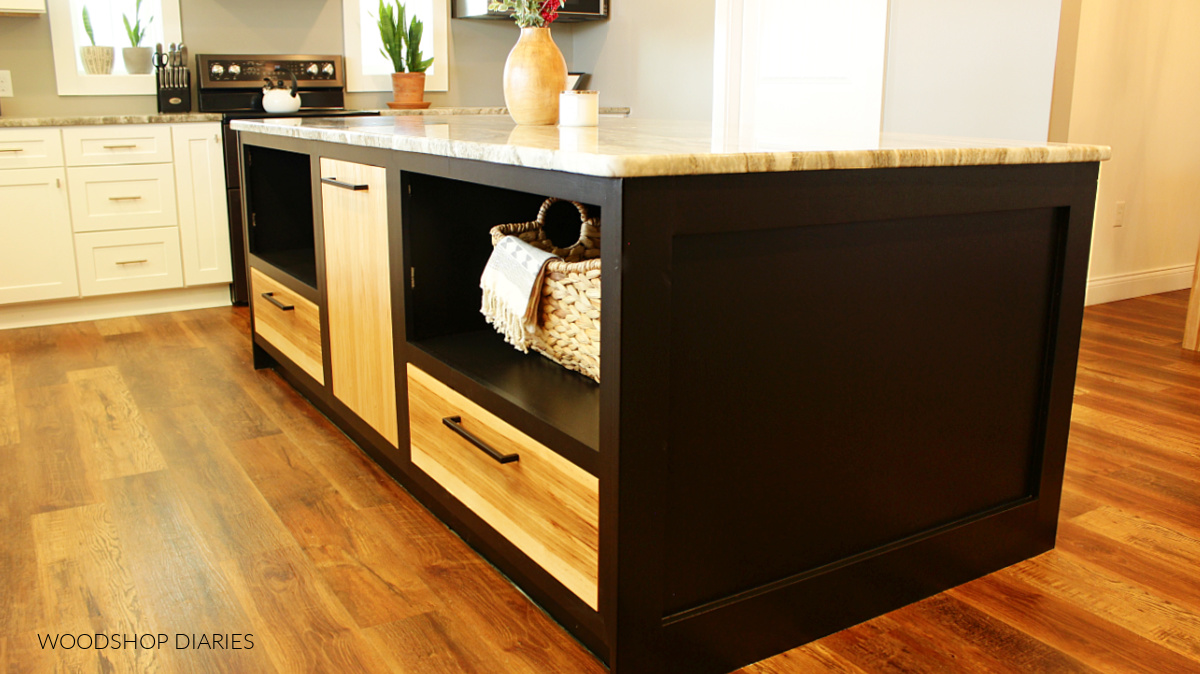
(280, 212)
(447, 246)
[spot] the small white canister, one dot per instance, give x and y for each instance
(579, 108)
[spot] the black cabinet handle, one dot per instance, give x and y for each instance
(270, 297)
(455, 424)
(346, 186)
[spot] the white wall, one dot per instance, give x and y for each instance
(980, 68)
(1135, 88)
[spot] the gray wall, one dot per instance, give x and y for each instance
(654, 56)
(658, 62)
(478, 50)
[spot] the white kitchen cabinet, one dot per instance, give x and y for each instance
(203, 217)
(128, 219)
(117, 144)
(122, 197)
(30, 148)
(37, 255)
(128, 260)
(22, 7)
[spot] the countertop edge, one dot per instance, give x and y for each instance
(195, 117)
(680, 164)
(101, 120)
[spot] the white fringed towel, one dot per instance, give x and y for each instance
(512, 285)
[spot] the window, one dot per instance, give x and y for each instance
(367, 69)
(68, 35)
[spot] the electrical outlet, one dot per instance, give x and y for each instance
(5, 84)
(1119, 218)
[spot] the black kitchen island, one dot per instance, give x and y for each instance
(832, 383)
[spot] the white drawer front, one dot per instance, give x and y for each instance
(122, 197)
(30, 148)
(128, 261)
(118, 144)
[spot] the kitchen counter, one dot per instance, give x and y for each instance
(627, 148)
(216, 117)
(108, 119)
(832, 383)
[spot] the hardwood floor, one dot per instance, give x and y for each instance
(152, 482)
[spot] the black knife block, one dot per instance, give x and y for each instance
(174, 99)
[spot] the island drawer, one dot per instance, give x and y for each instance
(543, 504)
(30, 148)
(289, 322)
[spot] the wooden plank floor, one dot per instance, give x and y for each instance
(152, 482)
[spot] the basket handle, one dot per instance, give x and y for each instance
(583, 214)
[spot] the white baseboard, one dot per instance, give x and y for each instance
(30, 314)
(1138, 284)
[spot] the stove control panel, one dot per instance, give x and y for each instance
(247, 71)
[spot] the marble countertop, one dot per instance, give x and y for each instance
(627, 148)
(216, 117)
(108, 119)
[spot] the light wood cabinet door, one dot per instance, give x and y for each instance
(203, 215)
(37, 258)
(358, 292)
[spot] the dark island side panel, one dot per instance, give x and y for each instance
(858, 384)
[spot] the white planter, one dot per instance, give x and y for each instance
(137, 60)
(97, 60)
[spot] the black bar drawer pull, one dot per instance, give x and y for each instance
(270, 297)
(346, 186)
(455, 424)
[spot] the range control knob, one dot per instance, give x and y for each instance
(217, 70)
(311, 69)
(327, 69)
(235, 69)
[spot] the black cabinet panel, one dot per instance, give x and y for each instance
(858, 384)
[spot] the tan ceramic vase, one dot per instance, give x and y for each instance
(534, 75)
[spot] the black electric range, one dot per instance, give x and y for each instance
(231, 84)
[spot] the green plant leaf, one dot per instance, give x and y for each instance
(87, 26)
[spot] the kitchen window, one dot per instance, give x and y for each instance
(367, 69)
(68, 35)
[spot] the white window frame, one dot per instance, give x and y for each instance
(72, 82)
(438, 78)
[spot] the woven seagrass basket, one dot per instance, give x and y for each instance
(568, 327)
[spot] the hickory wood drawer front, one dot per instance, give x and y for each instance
(127, 261)
(117, 144)
(296, 332)
(122, 197)
(30, 148)
(545, 505)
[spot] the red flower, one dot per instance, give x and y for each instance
(549, 10)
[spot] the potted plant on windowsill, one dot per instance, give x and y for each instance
(402, 45)
(137, 57)
(96, 60)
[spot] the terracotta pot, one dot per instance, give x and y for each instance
(408, 90)
(534, 75)
(137, 60)
(97, 60)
